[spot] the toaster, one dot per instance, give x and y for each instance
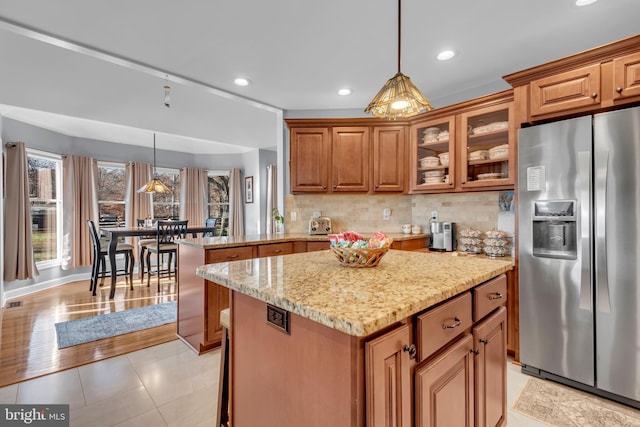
(320, 225)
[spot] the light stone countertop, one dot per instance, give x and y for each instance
(258, 239)
(357, 301)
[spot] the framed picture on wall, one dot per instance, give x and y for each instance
(248, 189)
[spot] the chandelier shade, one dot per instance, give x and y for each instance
(155, 185)
(399, 97)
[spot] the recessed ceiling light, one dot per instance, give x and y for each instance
(445, 55)
(241, 81)
(584, 2)
(344, 92)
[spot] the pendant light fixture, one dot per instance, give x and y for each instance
(398, 97)
(155, 185)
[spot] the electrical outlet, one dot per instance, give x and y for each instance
(434, 215)
(294, 216)
(316, 214)
(386, 213)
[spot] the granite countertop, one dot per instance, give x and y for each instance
(357, 301)
(258, 239)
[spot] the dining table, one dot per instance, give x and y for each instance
(115, 233)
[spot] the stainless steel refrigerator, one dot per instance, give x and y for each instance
(579, 258)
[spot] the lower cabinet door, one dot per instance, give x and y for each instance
(445, 387)
(388, 379)
(490, 344)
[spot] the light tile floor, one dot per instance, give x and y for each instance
(165, 385)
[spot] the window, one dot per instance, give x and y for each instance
(111, 193)
(167, 206)
(45, 183)
(218, 199)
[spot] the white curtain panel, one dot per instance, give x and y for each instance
(19, 262)
(193, 195)
(79, 204)
(236, 203)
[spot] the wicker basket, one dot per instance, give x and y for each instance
(360, 257)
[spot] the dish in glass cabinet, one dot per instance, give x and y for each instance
(483, 176)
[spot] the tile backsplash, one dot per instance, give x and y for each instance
(486, 210)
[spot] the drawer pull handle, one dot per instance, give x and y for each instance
(619, 89)
(411, 349)
(455, 325)
(232, 256)
(594, 95)
(483, 341)
(277, 251)
(497, 295)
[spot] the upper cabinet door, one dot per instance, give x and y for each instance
(570, 90)
(487, 148)
(433, 155)
(309, 159)
(626, 76)
(350, 159)
(389, 159)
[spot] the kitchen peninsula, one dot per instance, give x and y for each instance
(314, 343)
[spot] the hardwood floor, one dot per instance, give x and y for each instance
(28, 346)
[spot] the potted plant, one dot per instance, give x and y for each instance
(278, 220)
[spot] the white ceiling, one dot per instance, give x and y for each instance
(106, 62)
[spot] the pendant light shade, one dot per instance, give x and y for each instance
(155, 185)
(399, 97)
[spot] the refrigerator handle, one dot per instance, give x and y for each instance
(584, 172)
(602, 275)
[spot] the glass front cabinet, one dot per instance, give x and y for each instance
(466, 150)
(487, 147)
(433, 158)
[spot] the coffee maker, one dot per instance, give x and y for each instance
(443, 236)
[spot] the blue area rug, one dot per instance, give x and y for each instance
(107, 325)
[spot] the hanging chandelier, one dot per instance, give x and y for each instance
(399, 97)
(155, 185)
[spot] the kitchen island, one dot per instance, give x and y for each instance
(200, 301)
(314, 343)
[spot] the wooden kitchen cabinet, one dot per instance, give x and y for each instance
(490, 349)
(309, 149)
(200, 301)
(461, 356)
(626, 78)
(487, 147)
(360, 155)
(350, 159)
(444, 387)
(566, 91)
(388, 367)
(389, 159)
(466, 147)
(585, 83)
(433, 153)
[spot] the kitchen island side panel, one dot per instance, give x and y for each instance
(310, 377)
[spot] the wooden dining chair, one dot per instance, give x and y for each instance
(167, 232)
(143, 242)
(210, 222)
(100, 254)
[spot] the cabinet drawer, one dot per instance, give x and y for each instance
(489, 296)
(313, 246)
(440, 325)
(274, 249)
(229, 254)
